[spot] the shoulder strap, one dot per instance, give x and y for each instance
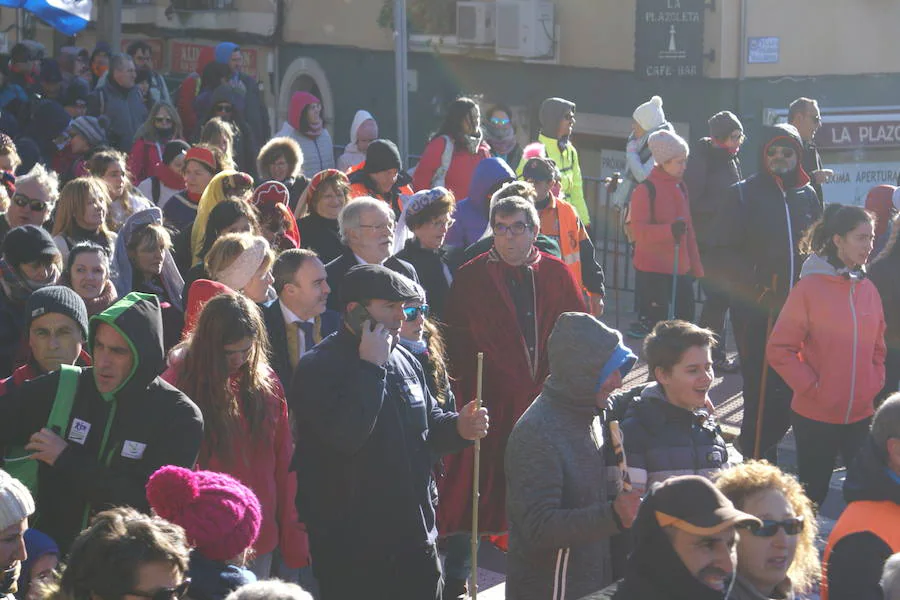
(102, 101)
(651, 192)
(446, 158)
(65, 398)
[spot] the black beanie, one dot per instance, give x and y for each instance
(173, 150)
(57, 299)
(381, 156)
(26, 244)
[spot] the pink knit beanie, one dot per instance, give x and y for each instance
(220, 515)
(666, 145)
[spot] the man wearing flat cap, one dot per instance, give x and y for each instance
(685, 539)
(368, 430)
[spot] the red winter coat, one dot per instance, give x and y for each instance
(458, 176)
(263, 465)
(481, 317)
(144, 158)
(654, 244)
(828, 345)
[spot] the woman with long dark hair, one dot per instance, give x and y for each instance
(828, 345)
(450, 158)
(162, 126)
(222, 365)
(87, 272)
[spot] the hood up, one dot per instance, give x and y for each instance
(583, 354)
(299, 101)
(137, 318)
(489, 173)
(783, 133)
(551, 115)
(123, 271)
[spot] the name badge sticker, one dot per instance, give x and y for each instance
(79, 431)
(133, 450)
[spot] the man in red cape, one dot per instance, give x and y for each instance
(503, 303)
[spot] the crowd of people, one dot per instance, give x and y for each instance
(230, 357)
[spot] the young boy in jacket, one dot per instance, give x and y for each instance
(670, 429)
(661, 224)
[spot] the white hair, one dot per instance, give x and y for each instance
(47, 180)
(271, 589)
(350, 214)
(890, 579)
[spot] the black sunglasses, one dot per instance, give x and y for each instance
(224, 108)
(785, 151)
(769, 528)
(175, 593)
(411, 313)
(35, 205)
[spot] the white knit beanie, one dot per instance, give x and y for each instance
(666, 145)
(650, 115)
(16, 503)
(239, 273)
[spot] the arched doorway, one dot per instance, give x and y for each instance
(306, 75)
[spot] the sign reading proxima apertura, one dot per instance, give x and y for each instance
(668, 38)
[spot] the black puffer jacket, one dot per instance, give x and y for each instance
(663, 440)
(710, 173)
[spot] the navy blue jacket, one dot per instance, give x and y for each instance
(280, 359)
(366, 439)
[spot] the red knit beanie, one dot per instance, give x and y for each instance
(219, 514)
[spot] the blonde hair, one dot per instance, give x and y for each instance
(74, 198)
(228, 248)
(218, 129)
(13, 154)
(741, 482)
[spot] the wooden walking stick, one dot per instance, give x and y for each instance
(765, 375)
(476, 484)
(619, 450)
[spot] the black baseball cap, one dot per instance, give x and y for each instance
(540, 169)
(375, 282)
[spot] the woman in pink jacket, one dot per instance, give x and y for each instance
(223, 366)
(828, 345)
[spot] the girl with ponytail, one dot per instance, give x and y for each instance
(828, 345)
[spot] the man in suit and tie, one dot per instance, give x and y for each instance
(367, 230)
(298, 319)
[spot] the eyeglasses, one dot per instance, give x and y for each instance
(769, 528)
(499, 121)
(570, 117)
(442, 222)
(780, 150)
(162, 119)
(36, 205)
(224, 108)
(412, 312)
(382, 227)
(517, 228)
(174, 593)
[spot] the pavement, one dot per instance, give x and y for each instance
(726, 397)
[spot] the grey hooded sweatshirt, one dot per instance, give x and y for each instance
(560, 518)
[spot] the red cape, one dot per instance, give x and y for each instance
(481, 317)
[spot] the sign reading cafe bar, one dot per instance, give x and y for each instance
(668, 39)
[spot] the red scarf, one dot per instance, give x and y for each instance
(731, 151)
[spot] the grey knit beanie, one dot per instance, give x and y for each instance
(16, 503)
(92, 129)
(666, 145)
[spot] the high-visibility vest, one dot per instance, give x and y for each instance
(569, 235)
(881, 518)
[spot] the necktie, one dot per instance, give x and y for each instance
(292, 343)
(308, 341)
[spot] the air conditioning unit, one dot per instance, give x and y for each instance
(475, 23)
(525, 28)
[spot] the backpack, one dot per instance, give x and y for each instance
(626, 225)
(17, 462)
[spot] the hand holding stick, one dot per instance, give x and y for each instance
(475, 486)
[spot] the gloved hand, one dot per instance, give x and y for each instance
(678, 229)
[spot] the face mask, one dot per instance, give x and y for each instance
(165, 131)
